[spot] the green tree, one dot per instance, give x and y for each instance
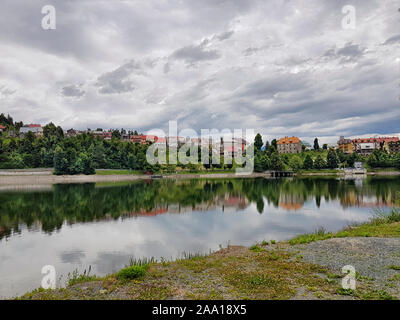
(258, 143)
(332, 159)
(276, 162)
(60, 162)
(316, 144)
(308, 162)
(274, 144)
(295, 163)
(396, 161)
(319, 162)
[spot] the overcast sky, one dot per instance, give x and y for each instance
(279, 67)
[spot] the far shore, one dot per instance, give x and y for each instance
(44, 176)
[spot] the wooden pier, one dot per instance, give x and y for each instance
(281, 174)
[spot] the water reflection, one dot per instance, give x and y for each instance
(72, 203)
(74, 226)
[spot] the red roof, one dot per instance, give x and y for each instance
(2, 127)
(373, 140)
(34, 125)
(161, 140)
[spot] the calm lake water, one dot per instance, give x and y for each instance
(74, 226)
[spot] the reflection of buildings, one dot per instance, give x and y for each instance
(354, 199)
(291, 201)
(226, 202)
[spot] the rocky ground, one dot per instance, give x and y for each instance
(376, 260)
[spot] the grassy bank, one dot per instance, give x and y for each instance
(266, 270)
(381, 225)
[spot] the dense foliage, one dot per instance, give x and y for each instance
(84, 153)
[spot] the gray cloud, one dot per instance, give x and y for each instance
(73, 90)
(393, 39)
(225, 35)
(348, 53)
(195, 53)
(282, 68)
(118, 81)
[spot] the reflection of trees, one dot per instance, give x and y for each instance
(86, 202)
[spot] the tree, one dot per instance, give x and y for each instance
(274, 144)
(308, 162)
(325, 146)
(258, 143)
(276, 162)
(60, 162)
(295, 163)
(116, 134)
(396, 161)
(316, 144)
(319, 162)
(85, 163)
(332, 159)
(50, 130)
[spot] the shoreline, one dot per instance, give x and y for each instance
(31, 177)
(299, 270)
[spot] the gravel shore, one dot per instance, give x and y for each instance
(372, 258)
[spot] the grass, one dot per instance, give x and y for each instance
(394, 267)
(382, 224)
(230, 273)
(75, 277)
(131, 273)
(261, 271)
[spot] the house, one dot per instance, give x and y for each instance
(160, 141)
(125, 137)
(175, 141)
(365, 146)
(232, 147)
(141, 139)
(346, 145)
(289, 145)
(392, 147)
(2, 128)
(36, 129)
(106, 135)
(71, 133)
(151, 138)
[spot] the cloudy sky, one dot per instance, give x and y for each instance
(284, 67)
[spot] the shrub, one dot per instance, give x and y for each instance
(131, 273)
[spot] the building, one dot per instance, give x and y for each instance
(2, 128)
(106, 135)
(392, 147)
(307, 145)
(71, 133)
(289, 145)
(136, 138)
(365, 146)
(125, 137)
(36, 129)
(346, 145)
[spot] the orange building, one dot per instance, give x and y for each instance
(289, 145)
(346, 145)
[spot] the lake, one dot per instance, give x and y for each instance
(74, 226)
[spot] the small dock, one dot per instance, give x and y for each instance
(281, 174)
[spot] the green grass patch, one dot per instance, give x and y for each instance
(131, 273)
(75, 277)
(394, 267)
(256, 248)
(382, 224)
